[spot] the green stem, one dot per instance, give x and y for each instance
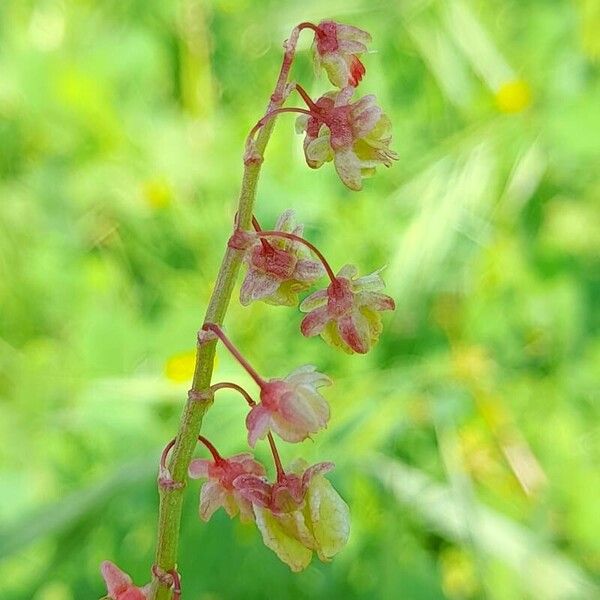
(200, 397)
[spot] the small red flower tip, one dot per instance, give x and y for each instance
(336, 48)
(299, 514)
(278, 268)
(219, 490)
(291, 407)
(356, 136)
(346, 314)
(119, 584)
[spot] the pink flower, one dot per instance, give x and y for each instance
(219, 489)
(278, 268)
(291, 407)
(356, 136)
(299, 514)
(346, 314)
(335, 49)
(119, 584)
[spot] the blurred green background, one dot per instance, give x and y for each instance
(466, 443)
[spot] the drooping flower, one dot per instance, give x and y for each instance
(346, 314)
(356, 136)
(278, 268)
(219, 489)
(119, 584)
(299, 514)
(336, 48)
(291, 407)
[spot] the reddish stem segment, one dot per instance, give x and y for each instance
(165, 454)
(308, 25)
(313, 107)
(176, 584)
(215, 453)
(262, 122)
(266, 246)
(235, 352)
(276, 458)
(251, 402)
(233, 386)
(256, 224)
(297, 238)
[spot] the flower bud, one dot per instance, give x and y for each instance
(336, 49)
(290, 407)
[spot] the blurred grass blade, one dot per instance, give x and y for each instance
(59, 516)
(547, 574)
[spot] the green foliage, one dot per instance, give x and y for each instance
(466, 443)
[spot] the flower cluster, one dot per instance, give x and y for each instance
(355, 135)
(345, 314)
(298, 512)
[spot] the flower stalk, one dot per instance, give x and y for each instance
(300, 513)
(171, 499)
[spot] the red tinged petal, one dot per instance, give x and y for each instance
(254, 489)
(354, 330)
(376, 301)
(357, 71)
(257, 423)
(318, 469)
(116, 580)
(119, 584)
(314, 322)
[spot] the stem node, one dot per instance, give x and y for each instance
(202, 396)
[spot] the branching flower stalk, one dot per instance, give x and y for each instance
(299, 513)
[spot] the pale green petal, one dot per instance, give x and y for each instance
(315, 300)
(301, 123)
(369, 283)
(348, 166)
(290, 550)
(295, 524)
(318, 151)
(382, 130)
(348, 271)
(331, 336)
(367, 172)
(286, 221)
(330, 517)
(336, 67)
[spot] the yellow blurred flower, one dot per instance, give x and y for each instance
(157, 192)
(513, 96)
(458, 574)
(179, 368)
